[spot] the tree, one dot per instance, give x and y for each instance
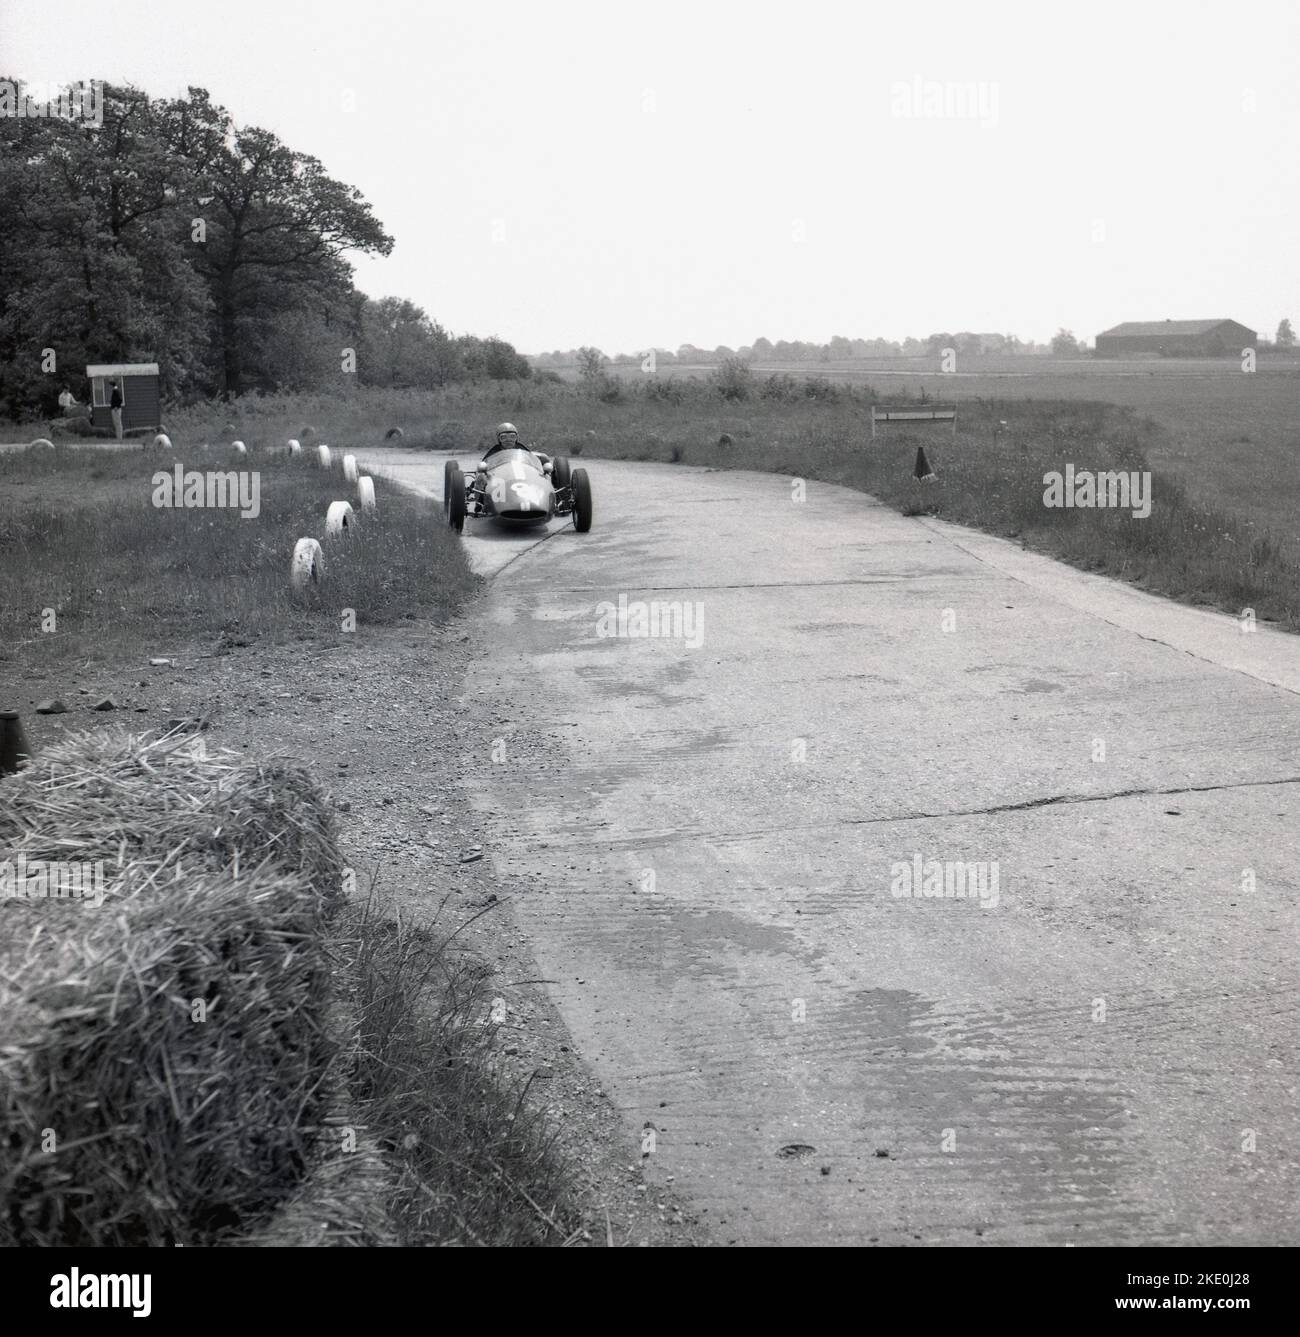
(167, 233)
(591, 363)
(1064, 343)
(1285, 337)
(491, 359)
(101, 273)
(276, 228)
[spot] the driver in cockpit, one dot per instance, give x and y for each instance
(507, 438)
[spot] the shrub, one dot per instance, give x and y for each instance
(734, 379)
(780, 387)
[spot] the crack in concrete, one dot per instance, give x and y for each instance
(1054, 800)
(1025, 805)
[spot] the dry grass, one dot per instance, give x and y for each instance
(474, 1161)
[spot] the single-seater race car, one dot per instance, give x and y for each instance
(516, 487)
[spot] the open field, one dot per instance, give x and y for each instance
(1232, 439)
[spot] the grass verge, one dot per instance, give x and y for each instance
(93, 566)
(473, 1161)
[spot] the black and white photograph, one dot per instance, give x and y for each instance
(662, 626)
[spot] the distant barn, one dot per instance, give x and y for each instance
(1175, 338)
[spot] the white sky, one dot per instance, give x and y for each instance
(637, 174)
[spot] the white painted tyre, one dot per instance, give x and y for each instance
(43, 442)
(239, 448)
(295, 447)
(350, 468)
(323, 456)
(163, 441)
(339, 518)
(308, 564)
(366, 492)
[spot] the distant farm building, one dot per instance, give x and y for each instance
(139, 384)
(1175, 338)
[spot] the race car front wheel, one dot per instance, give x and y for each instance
(453, 495)
(581, 500)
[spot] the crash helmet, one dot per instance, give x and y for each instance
(503, 428)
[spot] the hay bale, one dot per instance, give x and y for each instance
(342, 1201)
(174, 1039)
(343, 1198)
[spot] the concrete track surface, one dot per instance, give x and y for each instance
(717, 824)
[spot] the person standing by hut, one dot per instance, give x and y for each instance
(115, 407)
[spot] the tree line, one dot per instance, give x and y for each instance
(168, 233)
(838, 348)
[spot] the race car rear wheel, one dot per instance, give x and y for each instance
(453, 495)
(581, 485)
(561, 472)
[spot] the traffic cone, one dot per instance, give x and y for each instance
(922, 472)
(13, 742)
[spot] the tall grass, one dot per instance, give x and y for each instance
(473, 1159)
(81, 538)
